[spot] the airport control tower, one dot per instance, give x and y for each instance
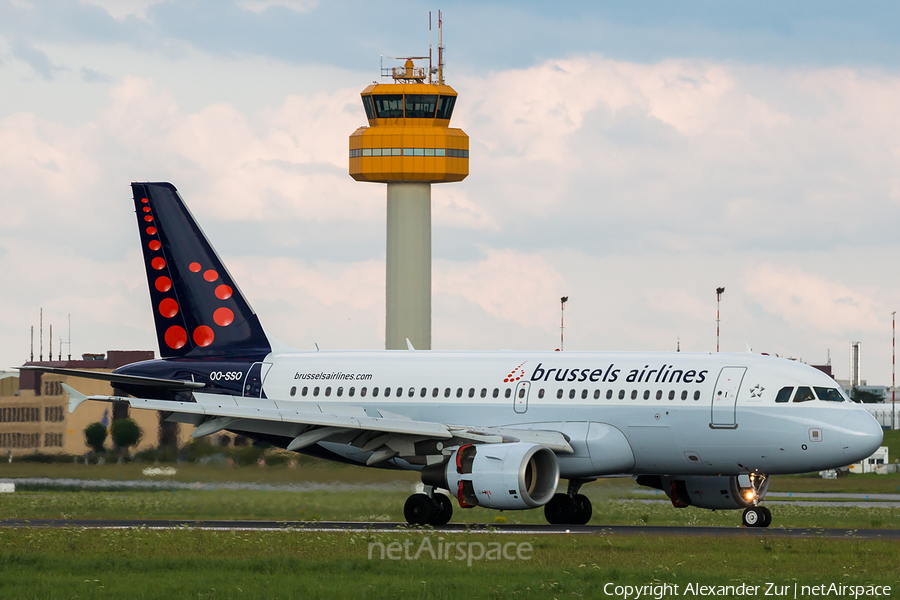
(409, 145)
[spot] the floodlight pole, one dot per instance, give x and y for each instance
(893, 367)
(562, 322)
(719, 292)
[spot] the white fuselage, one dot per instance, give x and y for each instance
(640, 413)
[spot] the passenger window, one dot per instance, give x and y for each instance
(621, 394)
(351, 391)
(328, 391)
(697, 395)
(784, 394)
(804, 394)
(412, 392)
(608, 394)
(634, 394)
(484, 392)
(387, 392)
(571, 394)
(294, 391)
(596, 394)
(496, 393)
(646, 394)
(422, 393)
(559, 393)
(304, 391)
(583, 394)
(508, 393)
(684, 395)
(829, 394)
(362, 392)
(521, 392)
(446, 392)
(659, 394)
(459, 392)
(340, 391)
(435, 392)
(471, 392)
(671, 394)
(316, 391)
(540, 393)
(374, 392)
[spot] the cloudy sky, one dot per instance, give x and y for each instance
(633, 156)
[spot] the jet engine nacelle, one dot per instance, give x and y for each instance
(513, 476)
(717, 492)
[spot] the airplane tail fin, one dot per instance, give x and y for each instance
(197, 307)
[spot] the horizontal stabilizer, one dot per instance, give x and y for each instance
(171, 384)
(75, 397)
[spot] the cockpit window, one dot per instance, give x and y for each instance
(784, 394)
(829, 394)
(804, 394)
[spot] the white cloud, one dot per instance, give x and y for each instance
(259, 6)
(122, 9)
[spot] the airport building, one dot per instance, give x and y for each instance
(34, 408)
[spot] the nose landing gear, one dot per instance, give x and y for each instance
(756, 516)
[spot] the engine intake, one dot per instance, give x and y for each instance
(513, 476)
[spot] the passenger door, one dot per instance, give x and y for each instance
(724, 400)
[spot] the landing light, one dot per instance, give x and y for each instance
(749, 495)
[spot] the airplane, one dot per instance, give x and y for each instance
(491, 429)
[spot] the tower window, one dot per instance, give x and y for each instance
(420, 106)
(369, 106)
(445, 107)
(389, 106)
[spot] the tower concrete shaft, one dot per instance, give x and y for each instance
(408, 291)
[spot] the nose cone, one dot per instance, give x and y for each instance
(861, 435)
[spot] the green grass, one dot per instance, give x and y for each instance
(76, 563)
(388, 506)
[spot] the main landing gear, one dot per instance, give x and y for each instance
(570, 508)
(756, 516)
(425, 509)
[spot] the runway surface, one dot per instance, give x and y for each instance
(453, 528)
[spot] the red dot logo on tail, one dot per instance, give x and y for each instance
(210, 275)
(151, 231)
(204, 336)
(168, 308)
(154, 245)
(223, 317)
(158, 263)
(223, 292)
(516, 374)
(163, 284)
(194, 267)
(176, 337)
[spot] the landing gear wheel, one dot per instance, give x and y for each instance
(419, 509)
(560, 510)
(583, 511)
(757, 516)
(443, 510)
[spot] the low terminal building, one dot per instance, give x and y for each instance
(34, 408)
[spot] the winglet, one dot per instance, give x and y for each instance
(409, 345)
(747, 346)
(75, 397)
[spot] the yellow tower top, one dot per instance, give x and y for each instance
(409, 138)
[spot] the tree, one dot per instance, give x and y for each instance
(125, 433)
(95, 436)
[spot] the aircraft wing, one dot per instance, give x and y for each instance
(386, 435)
